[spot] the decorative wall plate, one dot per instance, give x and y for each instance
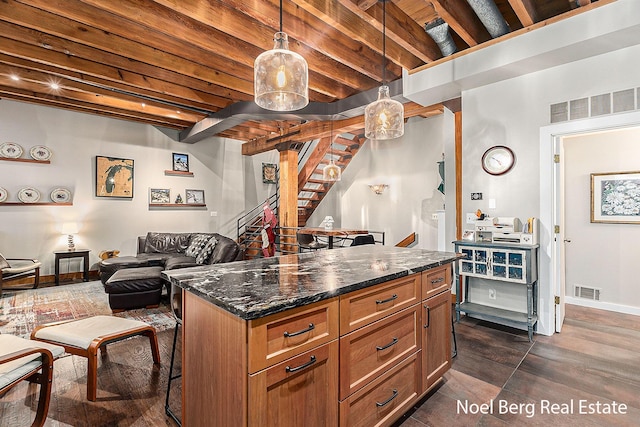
(11, 150)
(60, 195)
(40, 152)
(28, 195)
(3, 194)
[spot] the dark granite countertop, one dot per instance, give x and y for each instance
(256, 288)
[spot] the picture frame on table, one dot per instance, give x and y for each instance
(194, 197)
(180, 162)
(159, 195)
(615, 197)
(114, 177)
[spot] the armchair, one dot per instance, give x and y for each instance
(23, 359)
(19, 268)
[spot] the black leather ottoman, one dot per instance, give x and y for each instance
(135, 288)
(109, 266)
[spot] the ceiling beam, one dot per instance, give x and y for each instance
(525, 10)
(463, 20)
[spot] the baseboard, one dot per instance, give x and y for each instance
(618, 308)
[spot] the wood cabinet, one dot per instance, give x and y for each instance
(359, 359)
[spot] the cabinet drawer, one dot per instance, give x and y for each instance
(301, 391)
(374, 349)
(383, 401)
(436, 280)
(280, 336)
(362, 307)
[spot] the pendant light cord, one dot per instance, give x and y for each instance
(280, 15)
(384, 41)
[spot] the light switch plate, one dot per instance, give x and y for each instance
(471, 218)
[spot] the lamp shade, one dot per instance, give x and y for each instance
(331, 172)
(281, 77)
(69, 228)
(384, 118)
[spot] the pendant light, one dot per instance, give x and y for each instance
(281, 76)
(331, 172)
(384, 118)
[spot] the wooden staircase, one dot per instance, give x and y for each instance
(312, 188)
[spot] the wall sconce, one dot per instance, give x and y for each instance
(378, 188)
(70, 228)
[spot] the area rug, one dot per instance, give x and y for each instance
(22, 310)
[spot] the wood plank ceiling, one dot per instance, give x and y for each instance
(173, 63)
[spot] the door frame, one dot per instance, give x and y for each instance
(550, 258)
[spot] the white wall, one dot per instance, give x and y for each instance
(75, 139)
(611, 249)
(512, 113)
(409, 166)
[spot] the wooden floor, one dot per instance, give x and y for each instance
(596, 358)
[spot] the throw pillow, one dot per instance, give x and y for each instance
(5, 264)
(197, 244)
(207, 250)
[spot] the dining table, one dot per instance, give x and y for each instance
(332, 232)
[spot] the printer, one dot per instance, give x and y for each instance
(506, 230)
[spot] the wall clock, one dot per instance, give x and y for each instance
(498, 160)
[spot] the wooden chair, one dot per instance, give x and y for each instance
(22, 359)
(19, 268)
(84, 337)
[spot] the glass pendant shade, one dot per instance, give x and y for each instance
(281, 77)
(331, 172)
(384, 118)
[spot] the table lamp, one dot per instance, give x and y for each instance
(70, 228)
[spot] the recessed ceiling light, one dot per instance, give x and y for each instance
(14, 77)
(54, 86)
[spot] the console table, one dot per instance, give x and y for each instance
(515, 263)
(78, 253)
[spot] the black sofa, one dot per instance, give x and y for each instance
(136, 281)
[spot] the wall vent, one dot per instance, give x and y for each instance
(586, 292)
(594, 106)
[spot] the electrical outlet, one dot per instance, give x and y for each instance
(492, 293)
(471, 218)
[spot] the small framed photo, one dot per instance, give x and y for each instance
(159, 195)
(269, 173)
(180, 162)
(194, 197)
(615, 197)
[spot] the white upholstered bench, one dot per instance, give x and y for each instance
(84, 337)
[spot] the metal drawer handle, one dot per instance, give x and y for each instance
(309, 363)
(393, 342)
(428, 316)
(294, 334)
(438, 280)
(386, 402)
(394, 296)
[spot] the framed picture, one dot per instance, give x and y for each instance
(180, 162)
(615, 197)
(269, 173)
(194, 197)
(114, 177)
(159, 195)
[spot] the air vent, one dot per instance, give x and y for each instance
(587, 293)
(594, 106)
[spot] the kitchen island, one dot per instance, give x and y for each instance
(351, 336)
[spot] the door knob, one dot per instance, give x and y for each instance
(567, 240)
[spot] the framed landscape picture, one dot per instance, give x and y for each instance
(194, 197)
(180, 162)
(159, 195)
(615, 197)
(114, 177)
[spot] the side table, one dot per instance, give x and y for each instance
(78, 253)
